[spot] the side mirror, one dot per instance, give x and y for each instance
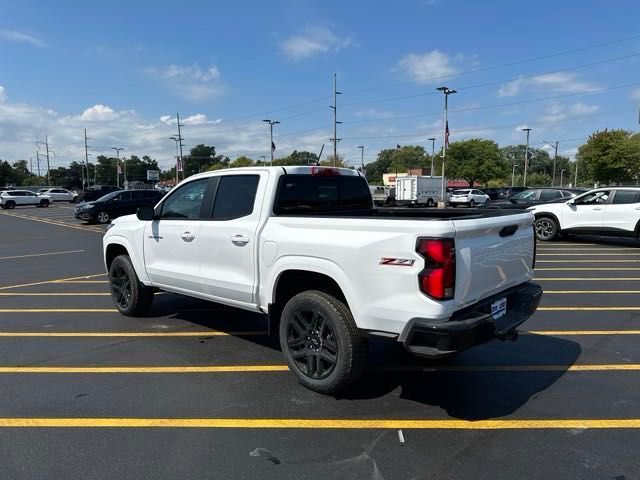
(571, 202)
(146, 214)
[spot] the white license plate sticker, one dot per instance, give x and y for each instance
(499, 308)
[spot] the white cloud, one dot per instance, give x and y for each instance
(313, 40)
(3, 95)
(99, 113)
(20, 37)
(550, 82)
(374, 114)
(189, 81)
(583, 109)
(635, 95)
(427, 67)
(556, 112)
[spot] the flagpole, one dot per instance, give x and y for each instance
(272, 146)
(446, 91)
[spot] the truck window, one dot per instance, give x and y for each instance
(186, 201)
(235, 196)
(314, 194)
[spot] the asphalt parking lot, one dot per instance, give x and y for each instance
(196, 390)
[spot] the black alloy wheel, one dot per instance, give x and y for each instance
(311, 343)
(120, 286)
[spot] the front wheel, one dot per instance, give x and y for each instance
(130, 296)
(43, 203)
(546, 228)
(472, 204)
(321, 342)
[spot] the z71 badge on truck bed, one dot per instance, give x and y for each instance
(306, 246)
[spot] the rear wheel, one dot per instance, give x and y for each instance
(11, 204)
(321, 342)
(546, 228)
(103, 217)
(130, 296)
(44, 203)
(472, 203)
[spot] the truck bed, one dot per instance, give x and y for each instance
(409, 214)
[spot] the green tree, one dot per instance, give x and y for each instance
(610, 156)
(241, 162)
(475, 160)
(328, 162)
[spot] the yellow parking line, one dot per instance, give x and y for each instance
(608, 269)
(583, 254)
(614, 249)
(81, 281)
(589, 291)
(284, 368)
(209, 333)
(54, 294)
(582, 332)
(588, 309)
(591, 260)
(555, 244)
(57, 310)
(593, 279)
(304, 423)
(59, 224)
(44, 282)
(41, 254)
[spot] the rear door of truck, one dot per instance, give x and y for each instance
(492, 254)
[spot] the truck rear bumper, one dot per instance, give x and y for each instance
(473, 325)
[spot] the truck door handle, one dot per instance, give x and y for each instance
(597, 209)
(239, 240)
(187, 236)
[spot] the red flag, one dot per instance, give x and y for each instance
(446, 134)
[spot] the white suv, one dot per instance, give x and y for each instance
(470, 197)
(59, 195)
(11, 198)
(613, 211)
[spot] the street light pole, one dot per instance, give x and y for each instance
(361, 147)
(555, 157)
(561, 175)
(117, 149)
(513, 175)
(46, 144)
(575, 181)
(335, 138)
(433, 154)
(526, 157)
(272, 146)
(446, 91)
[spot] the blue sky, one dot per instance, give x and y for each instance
(123, 69)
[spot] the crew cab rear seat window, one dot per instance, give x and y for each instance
(235, 196)
(314, 194)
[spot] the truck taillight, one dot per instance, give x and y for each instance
(438, 278)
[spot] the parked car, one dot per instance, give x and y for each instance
(13, 198)
(59, 195)
(535, 196)
(94, 192)
(495, 193)
(511, 191)
(469, 197)
(116, 204)
(305, 246)
(612, 211)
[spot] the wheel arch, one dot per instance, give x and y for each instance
(117, 245)
(550, 215)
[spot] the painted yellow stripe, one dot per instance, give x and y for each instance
(305, 423)
(54, 294)
(6, 287)
(57, 310)
(284, 368)
(557, 292)
(209, 333)
(58, 224)
(592, 279)
(589, 309)
(574, 249)
(582, 332)
(41, 254)
(556, 244)
(587, 254)
(608, 269)
(81, 281)
(589, 260)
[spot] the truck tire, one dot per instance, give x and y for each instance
(546, 228)
(130, 296)
(321, 342)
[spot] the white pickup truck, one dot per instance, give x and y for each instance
(305, 246)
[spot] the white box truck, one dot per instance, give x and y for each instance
(418, 190)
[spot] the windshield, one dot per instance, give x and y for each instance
(526, 195)
(461, 192)
(108, 196)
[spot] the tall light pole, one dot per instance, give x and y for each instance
(575, 181)
(561, 175)
(175, 139)
(180, 145)
(361, 147)
(264, 158)
(46, 144)
(446, 91)
(513, 175)
(433, 154)
(117, 149)
(272, 146)
(526, 157)
(335, 138)
(555, 157)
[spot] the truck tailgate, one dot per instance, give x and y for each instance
(492, 254)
